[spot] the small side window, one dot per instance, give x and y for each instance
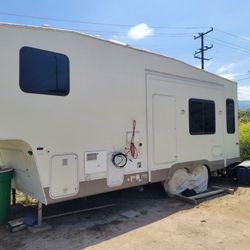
(201, 117)
(43, 72)
(230, 116)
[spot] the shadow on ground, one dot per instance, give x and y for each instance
(89, 228)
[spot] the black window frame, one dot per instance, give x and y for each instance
(202, 131)
(61, 77)
(230, 129)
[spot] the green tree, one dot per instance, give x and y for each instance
(244, 116)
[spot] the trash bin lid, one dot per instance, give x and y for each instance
(5, 170)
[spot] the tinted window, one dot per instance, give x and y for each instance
(44, 72)
(201, 117)
(230, 116)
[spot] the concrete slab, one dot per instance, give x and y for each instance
(39, 229)
(130, 214)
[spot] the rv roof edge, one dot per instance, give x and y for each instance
(105, 40)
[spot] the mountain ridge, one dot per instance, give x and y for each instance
(244, 105)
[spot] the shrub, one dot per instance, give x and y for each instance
(244, 116)
(244, 129)
(24, 199)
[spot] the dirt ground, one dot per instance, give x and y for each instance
(222, 222)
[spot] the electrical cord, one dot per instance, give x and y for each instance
(132, 150)
(119, 160)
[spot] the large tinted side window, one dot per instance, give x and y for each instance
(201, 117)
(43, 72)
(230, 116)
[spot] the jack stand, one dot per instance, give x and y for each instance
(40, 227)
(39, 214)
(13, 196)
(194, 199)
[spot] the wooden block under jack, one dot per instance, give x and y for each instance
(16, 225)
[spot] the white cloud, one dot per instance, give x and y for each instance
(230, 76)
(140, 31)
(227, 71)
(225, 68)
(244, 92)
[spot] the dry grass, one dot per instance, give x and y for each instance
(24, 199)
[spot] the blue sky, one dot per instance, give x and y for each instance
(162, 26)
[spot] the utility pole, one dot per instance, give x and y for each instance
(203, 48)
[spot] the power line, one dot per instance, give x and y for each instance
(125, 33)
(232, 35)
(156, 35)
(237, 80)
(115, 24)
(232, 44)
(224, 44)
(94, 23)
(244, 74)
(181, 34)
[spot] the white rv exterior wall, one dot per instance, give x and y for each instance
(107, 91)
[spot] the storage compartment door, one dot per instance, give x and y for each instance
(64, 176)
(164, 129)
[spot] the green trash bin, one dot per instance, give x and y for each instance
(6, 175)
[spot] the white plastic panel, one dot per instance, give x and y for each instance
(64, 176)
(115, 175)
(95, 162)
(164, 129)
(134, 165)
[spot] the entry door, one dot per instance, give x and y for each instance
(161, 116)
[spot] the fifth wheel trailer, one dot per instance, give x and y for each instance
(81, 115)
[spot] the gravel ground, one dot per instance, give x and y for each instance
(161, 223)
